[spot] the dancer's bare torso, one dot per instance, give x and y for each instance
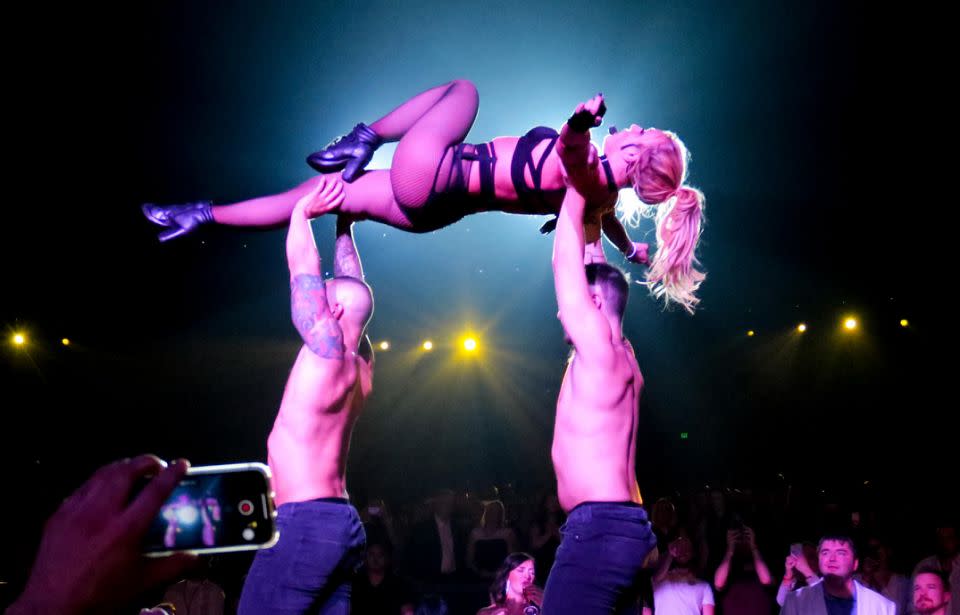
(310, 439)
(594, 440)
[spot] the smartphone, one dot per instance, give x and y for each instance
(736, 522)
(216, 509)
(796, 549)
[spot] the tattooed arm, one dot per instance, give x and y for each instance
(346, 259)
(308, 294)
(346, 262)
(302, 254)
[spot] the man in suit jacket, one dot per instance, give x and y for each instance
(435, 549)
(838, 593)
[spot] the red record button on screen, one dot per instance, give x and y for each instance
(245, 507)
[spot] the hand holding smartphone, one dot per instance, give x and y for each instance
(216, 509)
(89, 556)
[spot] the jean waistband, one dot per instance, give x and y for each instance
(593, 504)
(331, 500)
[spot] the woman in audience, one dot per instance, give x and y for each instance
(490, 542)
(513, 591)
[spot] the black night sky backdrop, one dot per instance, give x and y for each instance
(814, 129)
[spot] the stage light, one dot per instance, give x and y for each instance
(428, 345)
(384, 345)
(801, 328)
(65, 341)
(750, 333)
(904, 322)
(850, 323)
(470, 344)
(188, 515)
(19, 339)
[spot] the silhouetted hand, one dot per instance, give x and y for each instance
(674, 548)
(733, 537)
(789, 565)
(89, 556)
(804, 568)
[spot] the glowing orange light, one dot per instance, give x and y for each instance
(19, 339)
(384, 345)
(470, 344)
(801, 327)
(428, 345)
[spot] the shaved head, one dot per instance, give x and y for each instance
(356, 298)
(611, 284)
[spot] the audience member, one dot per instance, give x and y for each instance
(931, 592)
(490, 542)
(676, 588)
(376, 589)
(742, 576)
(513, 591)
(434, 552)
(875, 573)
(946, 560)
(545, 534)
(801, 569)
(838, 593)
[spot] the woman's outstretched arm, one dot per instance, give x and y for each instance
(634, 251)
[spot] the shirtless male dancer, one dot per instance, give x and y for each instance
(607, 535)
(321, 536)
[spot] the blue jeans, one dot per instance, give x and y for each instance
(601, 552)
(309, 570)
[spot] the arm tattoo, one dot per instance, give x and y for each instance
(312, 318)
(346, 261)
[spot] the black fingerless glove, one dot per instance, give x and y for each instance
(583, 120)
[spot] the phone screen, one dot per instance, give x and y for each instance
(216, 509)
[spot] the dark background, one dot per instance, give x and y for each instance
(817, 132)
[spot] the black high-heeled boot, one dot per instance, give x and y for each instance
(181, 219)
(351, 152)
